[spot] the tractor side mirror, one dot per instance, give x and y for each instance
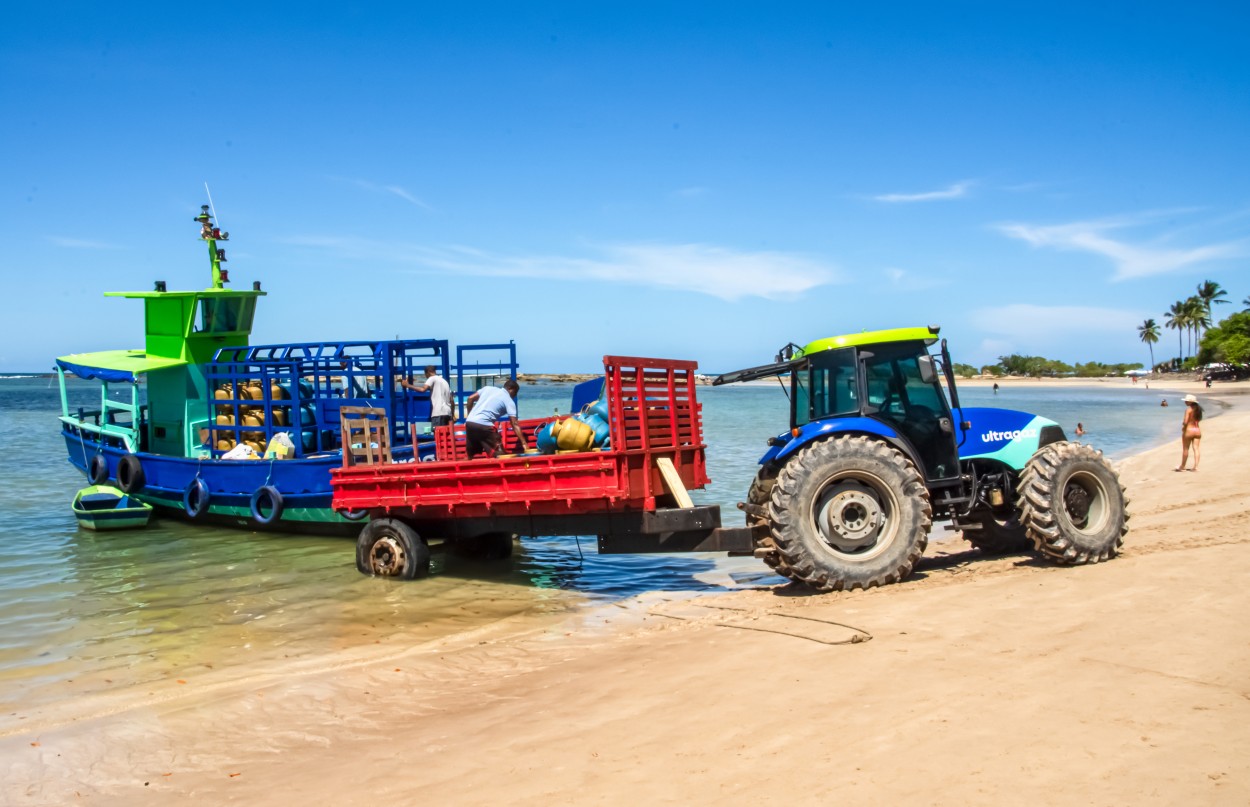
(928, 374)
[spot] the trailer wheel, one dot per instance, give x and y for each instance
(758, 495)
(388, 547)
(999, 537)
(849, 513)
(1072, 504)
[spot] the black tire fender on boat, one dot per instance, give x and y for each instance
(98, 470)
(130, 477)
(195, 498)
(258, 506)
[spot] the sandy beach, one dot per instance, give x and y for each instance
(979, 680)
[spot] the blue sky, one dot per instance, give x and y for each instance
(703, 181)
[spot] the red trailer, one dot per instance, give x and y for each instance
(632, 493)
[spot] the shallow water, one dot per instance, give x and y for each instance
(86, 612)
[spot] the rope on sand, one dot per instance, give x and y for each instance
(860, 636)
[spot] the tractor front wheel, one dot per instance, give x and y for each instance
(849, 513)
(1072, 504)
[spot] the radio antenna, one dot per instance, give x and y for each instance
(210, 205)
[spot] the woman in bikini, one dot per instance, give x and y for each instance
(1191, 432)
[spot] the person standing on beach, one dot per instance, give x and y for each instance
(488, 405)
(1191, 432)
(440, 395)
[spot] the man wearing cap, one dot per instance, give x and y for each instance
(488, 405)
(440, 395)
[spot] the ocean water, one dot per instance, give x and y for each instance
(86, 613)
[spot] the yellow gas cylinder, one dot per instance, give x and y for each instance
(573, 435)
(225, 420)
(277, 393)
(282, 416)
(225, 445)
(223, 392)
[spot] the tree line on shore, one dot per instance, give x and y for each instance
(1040, 366)
(1198, 341)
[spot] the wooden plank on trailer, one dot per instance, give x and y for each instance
(672, 480)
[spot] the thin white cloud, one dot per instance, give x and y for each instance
(956, 191)
(1131, 260)
(702, 268)
(79, 243)
(394, 190)
(406, 196)
(690, 192)
(903, 280)
(1023, 321)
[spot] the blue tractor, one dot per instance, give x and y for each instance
(845, 498)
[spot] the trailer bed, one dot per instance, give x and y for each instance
(628, 493)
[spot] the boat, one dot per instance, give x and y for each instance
(209, 428)
(104, 507)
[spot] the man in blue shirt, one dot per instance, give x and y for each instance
(488, 405)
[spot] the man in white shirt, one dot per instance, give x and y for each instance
(489, 404)
(440, 395)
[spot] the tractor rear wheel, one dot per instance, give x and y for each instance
(849, 512)
(999, 537)
(1072, 504)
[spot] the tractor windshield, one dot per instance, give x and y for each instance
(827, 387)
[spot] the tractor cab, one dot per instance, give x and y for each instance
(881, 382)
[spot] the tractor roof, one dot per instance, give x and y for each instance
(927, 335)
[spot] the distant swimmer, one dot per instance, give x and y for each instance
(1164, 402)
(995, 387)
(1080, 429)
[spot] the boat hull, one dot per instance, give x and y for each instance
(303, 484)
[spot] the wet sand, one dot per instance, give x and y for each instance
(986, 681)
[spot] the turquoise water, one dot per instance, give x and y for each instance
(90, 612)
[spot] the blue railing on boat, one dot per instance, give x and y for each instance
(260, 390)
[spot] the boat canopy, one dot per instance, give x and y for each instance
(115, 365)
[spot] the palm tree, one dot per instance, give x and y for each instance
(1149, 333)
(1210, 292)
(1175, 318)
(1246, 303)
(1197, 319)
